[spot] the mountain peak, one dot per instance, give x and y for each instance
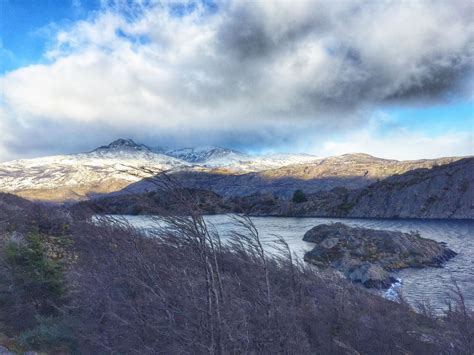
(124, 143)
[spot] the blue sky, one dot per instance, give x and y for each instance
(26, 27)
(77, 73)
(436, 119)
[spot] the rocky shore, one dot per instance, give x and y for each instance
(368, 256)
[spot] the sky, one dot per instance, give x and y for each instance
(389, 78)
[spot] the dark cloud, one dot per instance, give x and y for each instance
(353, 76)
(445, 78)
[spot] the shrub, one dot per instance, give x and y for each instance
(31, 282)
(40, 277)
(49, 333)
(299, 196)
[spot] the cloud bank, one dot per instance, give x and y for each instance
(240, 73)
(398, 142)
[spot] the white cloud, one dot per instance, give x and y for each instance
(248, 68)
(400, 144)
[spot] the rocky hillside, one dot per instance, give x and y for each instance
(11, 206)
(158, 202)
(351, 171)
(445, 191)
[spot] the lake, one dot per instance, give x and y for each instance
(428, 284)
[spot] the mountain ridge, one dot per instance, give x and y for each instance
(441, 192)
(123, 163)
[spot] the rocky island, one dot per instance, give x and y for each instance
(368, 256)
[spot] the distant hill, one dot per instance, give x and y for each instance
(208, 155)
(445, 191)
(440, 192)
(230, 161)
(352, 171)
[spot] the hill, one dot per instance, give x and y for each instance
(351, 171)
(445, 191)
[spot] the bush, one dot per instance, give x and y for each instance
(31, 282)
(49, 333)
(299, 196)
(40, 278)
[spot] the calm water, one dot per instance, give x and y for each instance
(429, 284)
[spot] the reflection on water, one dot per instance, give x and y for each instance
(429, 284)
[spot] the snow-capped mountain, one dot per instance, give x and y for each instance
(113, 166)
(208, 155)
(105, 169)
(232, 160)
(276, 161)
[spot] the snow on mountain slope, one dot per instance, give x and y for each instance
(106, 168)
(114, 166)
(208, 154)
(232, 160)
(276, 161)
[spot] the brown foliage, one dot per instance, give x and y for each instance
(181, 289)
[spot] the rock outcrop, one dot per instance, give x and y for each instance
(368, 256)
